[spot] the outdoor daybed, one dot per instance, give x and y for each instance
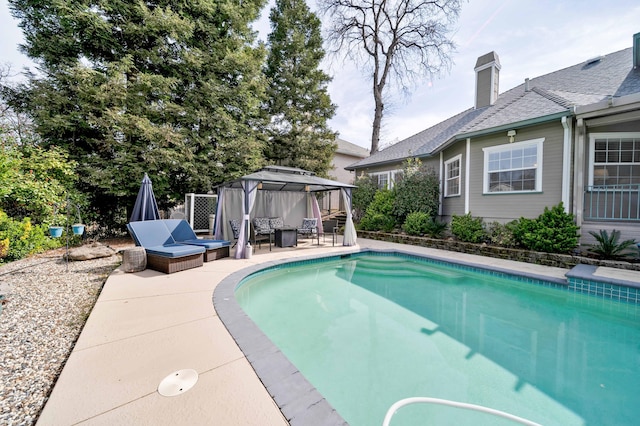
(182, 233)
(165, 253)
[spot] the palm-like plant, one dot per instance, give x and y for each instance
(608, 246)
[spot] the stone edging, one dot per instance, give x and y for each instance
(548, 259)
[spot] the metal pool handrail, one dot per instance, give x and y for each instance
(422, 399)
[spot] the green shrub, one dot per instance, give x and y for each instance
(608, 246)
(501, 234)
(379, 214)
(420, 223)
(33, 180)
(19, 239)
(378, 222)
(417, 190)
(554, 231)
(416, 223)
(468, 229)
(367, 186)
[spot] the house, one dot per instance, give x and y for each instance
(571, 136)
(346, 154)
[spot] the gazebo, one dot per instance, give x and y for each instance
(276, 191)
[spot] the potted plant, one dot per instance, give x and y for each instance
(55, 231)
(78, 228)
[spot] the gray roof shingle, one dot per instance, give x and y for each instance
(548, 95)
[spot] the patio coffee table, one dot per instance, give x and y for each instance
(286, 237)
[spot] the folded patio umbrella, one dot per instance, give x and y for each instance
(145, 207)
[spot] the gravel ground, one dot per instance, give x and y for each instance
(45, 308)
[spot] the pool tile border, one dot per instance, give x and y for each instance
(582, 279)
(298, 400)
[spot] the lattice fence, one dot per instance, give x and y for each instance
(200, 209)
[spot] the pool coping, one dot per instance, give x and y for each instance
(299, 401)
(589, 272)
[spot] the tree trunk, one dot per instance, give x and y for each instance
(377, 119)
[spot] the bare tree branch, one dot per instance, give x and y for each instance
(15, 127)
(395, 41)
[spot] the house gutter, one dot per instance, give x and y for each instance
(566, 164)
(467, 176)
(382, 163)
(578, 173)
(470, 135)
(517, 124)
(610, 105)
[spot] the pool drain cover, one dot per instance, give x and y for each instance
(178, 382)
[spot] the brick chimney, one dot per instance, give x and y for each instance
(487, 76)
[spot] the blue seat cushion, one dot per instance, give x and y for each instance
(150, 233)
(174, 250)
(180, 229)
(210, 244)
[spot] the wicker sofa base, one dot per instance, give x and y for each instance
(170, 265)
(216, 253)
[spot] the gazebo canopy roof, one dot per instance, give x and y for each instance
(278, 178)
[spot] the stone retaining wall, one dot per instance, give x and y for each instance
(548, 259)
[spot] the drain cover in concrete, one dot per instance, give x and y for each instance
(178, 382)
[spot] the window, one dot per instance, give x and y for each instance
(516, 167)
(383, 181)
(452, 177)
(387, 179)
(614, 159)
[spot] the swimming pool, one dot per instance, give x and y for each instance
(370, 329)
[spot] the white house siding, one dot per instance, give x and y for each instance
(505, 207)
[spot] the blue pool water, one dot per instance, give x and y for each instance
(369, 330)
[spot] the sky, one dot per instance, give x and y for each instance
(531, 38)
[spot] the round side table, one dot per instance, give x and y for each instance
(134, 259)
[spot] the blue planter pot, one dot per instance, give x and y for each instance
(55, 231)
(78, 229)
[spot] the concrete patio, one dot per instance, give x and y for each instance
(148, 325)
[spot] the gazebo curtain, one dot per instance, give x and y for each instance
(249, 187)
(315, 207)
(350, 235)
(242, 204)
(219, 225)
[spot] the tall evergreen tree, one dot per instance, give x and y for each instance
(299, 104)
(168, 87)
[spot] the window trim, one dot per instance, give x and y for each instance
(592, 149)
(497, 148)
(391, 177)
(446, 179)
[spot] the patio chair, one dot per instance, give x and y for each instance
(330, 227)
(235, 228)
(261, 231)
(309, 228)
